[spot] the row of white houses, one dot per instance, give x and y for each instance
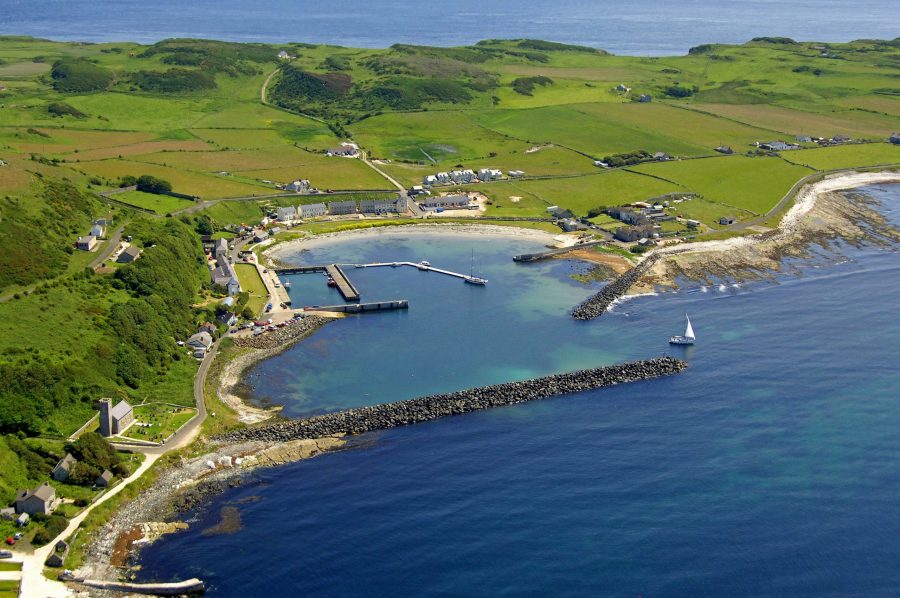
(462, 177)
(342, 207)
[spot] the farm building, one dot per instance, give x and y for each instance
(644, 98)
(724, 149)
(895, 138)
(726, 220)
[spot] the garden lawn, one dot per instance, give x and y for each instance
(164, 421)
(251, 282)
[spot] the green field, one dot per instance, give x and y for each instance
(251, 283)
(751, 184)
(846, 156)
(161, 204)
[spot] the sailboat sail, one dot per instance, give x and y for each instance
(689, 330)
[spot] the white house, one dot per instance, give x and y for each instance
(201, 340)
(223, 275)
(312, 210)
(489, 174)
(98, 230)
(430, 180)
(286, 214)
(86, 243)
(516, 174)
(442, 177)
(462, 176)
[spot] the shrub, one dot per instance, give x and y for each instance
(173, 80)
(525, 85)
(63, 109)
(152, 184)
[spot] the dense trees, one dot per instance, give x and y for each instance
(525, 85)
(152, 184)
(175, 80)
(77, 75)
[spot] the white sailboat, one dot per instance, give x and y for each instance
(471, 278)
(687, 338)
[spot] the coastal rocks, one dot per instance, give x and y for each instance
(595, 305)
(273, 339)
(389, 415)
(153, 530)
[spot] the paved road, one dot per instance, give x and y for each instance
(110, 247)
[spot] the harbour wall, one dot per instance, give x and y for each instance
(598, 303)
(282, 336)
(401, 413)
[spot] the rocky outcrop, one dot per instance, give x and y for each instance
(401, 413)
(595, 305)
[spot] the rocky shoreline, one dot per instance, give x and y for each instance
(257, 349)
(182, 488)
(401, 413)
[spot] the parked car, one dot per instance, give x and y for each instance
(5, 554)
(11, 541)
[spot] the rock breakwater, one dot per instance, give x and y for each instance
(279, 337)
(595, 305)
(401, 413)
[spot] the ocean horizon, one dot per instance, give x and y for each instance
(641, 27)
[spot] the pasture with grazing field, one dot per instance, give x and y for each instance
(846, 156)
(752, 184)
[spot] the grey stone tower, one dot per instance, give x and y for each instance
(106, 417)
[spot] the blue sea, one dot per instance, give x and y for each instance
(635, 27)
(768, 468)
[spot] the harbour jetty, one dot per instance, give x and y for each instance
(595, 305)
(346, 288)
(402, 413)
(543, 255)
(355, 308)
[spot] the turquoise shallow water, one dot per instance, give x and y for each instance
(769, 468)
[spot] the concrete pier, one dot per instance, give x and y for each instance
(534, 257)
(346, 288)
(355, 308)
(419, 266)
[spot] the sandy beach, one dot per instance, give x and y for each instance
(285, 250)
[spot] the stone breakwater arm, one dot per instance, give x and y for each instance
(401, 413)
(595, 305)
